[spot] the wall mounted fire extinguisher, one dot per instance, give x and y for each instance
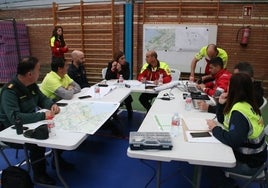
(245, 35)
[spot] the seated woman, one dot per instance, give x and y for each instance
(118, 66)
(243, 130)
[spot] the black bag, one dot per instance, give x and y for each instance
(16, 177)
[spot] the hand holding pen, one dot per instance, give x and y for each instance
(211, 123)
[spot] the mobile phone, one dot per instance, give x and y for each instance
(103, 85)
(127, 85)
(200, 134)
(84, 97)
(61, 104)
(150, 87)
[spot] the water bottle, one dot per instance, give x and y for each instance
(51, 126)
(160, 80)
(175, 122)
(188, 103)
(121, 81)
(18, 126)
(97, 91)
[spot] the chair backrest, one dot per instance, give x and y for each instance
(263, 104)
(103, 72)
(175, 74)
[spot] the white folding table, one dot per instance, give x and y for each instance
(199, 154)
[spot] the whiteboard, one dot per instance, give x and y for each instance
(178, 43)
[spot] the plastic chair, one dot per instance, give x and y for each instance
(175, 74)
(263, 104)
(103, 72)
(261, 176)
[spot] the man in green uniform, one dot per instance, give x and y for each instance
(21, 98)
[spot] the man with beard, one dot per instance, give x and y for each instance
(77, 70)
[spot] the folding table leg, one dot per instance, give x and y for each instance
(197, 176)
(158, 176)
(58, 168)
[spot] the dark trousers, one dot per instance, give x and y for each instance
(37, 157)
(146, 99)
(128, 104)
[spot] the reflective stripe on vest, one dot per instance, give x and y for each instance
(162, 65)
(248, 151)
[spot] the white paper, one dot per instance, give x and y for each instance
(166, 86)
(103, 91)
(133, 83)
(196, 124)
(163, 121)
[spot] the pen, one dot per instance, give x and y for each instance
(159, 124)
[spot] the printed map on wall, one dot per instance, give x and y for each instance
(86, 117)
(178, 43)
(161, 39)
(191, 39)
(176, 39)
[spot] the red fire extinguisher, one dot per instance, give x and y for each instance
(245, 35)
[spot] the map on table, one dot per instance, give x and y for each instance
(84, 116)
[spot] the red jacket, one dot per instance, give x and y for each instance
(56, 48)
(152, 75)
(221, 79)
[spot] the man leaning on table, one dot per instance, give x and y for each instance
(21, 98)
(244, 67)
(220, 75)
(151, 71)
(57, 84)
(208, 52)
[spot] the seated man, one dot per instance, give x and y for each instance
(21, 98)
(76, 70)
(245, 68)
(57, 84)
(220, 77)
(151, 71)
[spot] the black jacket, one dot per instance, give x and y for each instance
(115, 75)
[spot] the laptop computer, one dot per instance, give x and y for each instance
(193, 89)
(199, 96)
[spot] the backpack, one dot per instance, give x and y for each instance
(14, 176)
